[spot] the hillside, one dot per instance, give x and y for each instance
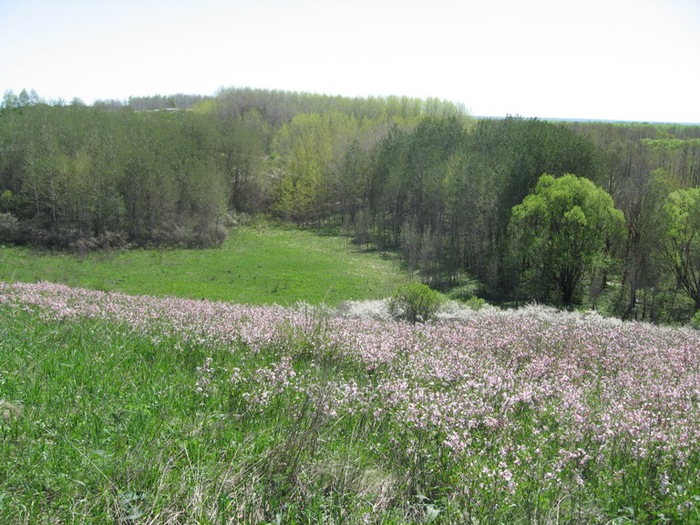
(420, 178)
(115, 408)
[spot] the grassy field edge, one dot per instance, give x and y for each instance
(257, 264)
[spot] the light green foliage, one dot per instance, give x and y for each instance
(415, 302)
(561, 230)
(676, 153)
(476, 303)
(681, 215)
(695, 321)
(309, 146)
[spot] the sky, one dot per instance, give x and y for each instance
(634, 60)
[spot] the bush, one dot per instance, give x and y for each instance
(414, 302)
(10, 230)
(475, 303)
(695, 321)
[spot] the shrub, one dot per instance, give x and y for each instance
(475, 303)
(414, 302)
(695, 321)
(10, 229)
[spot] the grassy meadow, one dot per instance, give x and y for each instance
(145, 410)
(223, 386)
(257, 264)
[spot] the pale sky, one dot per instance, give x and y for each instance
(598, 59)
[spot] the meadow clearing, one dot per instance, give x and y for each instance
(259, 263)
(139, 409)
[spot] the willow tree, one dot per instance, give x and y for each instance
(682, 242)
(560, 232)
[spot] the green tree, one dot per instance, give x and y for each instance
(561, 231)
(240, 158)
(304, 148)
(311, 148)
(10, 100)
(352, 182)
(640, 197)
(682, 247)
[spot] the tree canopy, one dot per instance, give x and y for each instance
(561, 231)
(420, 177)
(682, 246)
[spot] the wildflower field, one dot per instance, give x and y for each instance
(125, 409)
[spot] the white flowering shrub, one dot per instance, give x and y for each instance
(377, 310)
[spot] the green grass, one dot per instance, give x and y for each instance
(256, 265)
(155, 419)
(101, 424)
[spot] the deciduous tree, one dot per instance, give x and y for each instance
(682, 249)
(560, 231)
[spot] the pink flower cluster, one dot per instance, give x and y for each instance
(584, 386)
(266, 383)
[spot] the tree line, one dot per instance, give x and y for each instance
(461, 199)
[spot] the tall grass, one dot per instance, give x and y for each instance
(143, 410)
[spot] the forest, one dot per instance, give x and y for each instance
(576, 214)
